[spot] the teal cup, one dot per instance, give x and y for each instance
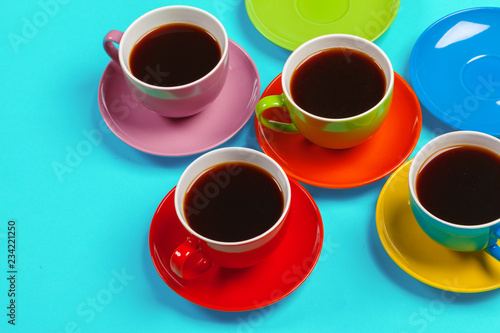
(458, 237)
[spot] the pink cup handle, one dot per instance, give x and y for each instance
(188, 261)
(114, 36)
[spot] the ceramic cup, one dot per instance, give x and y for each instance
(179, 101)
(456, 237)
(199, 253)
(338, 133)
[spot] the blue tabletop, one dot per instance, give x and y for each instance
(82, 261)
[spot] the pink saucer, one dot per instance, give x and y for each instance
(249, 288)
(143, 129)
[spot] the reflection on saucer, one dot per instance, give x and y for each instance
(421, 257)
(455, 69)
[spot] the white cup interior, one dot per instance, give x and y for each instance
(167, 15)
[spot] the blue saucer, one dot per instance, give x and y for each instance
(455, 69)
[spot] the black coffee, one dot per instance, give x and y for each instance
(461, 185)
(174, 54)
(233, 201)
(338, 83)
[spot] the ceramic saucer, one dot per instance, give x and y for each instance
(455, 69)
(421, 257)
(145, 130)
(249, 288)
(291, 23)
(383, 153)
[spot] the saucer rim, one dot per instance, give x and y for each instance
(200, 148)
(393, 252)
(316, 252)
(269, 149)
(291, 45)
(418, 87)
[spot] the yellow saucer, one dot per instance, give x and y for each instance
(421, 257)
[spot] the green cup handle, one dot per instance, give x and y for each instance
(273, 101)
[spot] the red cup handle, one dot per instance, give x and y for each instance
(114, 36)
(187, 261)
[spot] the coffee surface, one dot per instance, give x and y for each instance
(461, 185)
(233, 201)
(338, 83)
(174, 54)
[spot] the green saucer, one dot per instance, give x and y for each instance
(289, 23)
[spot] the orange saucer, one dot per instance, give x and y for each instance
(374, 159)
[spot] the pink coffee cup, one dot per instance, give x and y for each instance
(179, 101)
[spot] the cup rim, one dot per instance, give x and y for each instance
(414, 170)
(286, 189)
(224, 53)
(356, 39)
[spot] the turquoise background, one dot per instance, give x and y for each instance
(78, 230)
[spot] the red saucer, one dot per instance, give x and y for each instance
(249, 288)
(374, 159)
